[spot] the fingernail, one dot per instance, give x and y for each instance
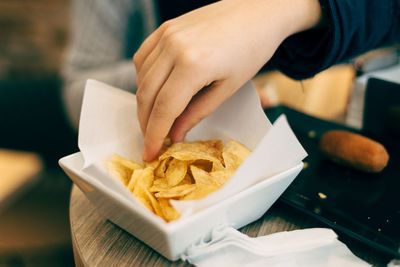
(145, 155)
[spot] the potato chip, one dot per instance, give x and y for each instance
(192, 151)
(132, 181)
(143, 181)
(186, 180)
(130, 164)
(144, 200)
(205, 165)
(234, 154)
(154, 203)
(200, 176)
(145, 175)
(122, 168)
(176, 171)
(183, 171)
(119, 171)
(152, 164)
(161, 184)
(221, 177)
(176, 191)
(218, 178)
(169, 213)
(143, 178)
(201, 191)
(159, 171)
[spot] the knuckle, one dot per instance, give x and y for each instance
(143, 84)
(162, 110)
(171, 33)
(167, 29)
(158, 112)
(134, 58)
(175, 38)
(190, 58)
(166, 25)
(140, 96)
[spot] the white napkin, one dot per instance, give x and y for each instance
(308, 247)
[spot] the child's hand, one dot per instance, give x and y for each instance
(193, 63)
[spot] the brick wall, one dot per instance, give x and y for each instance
(33, 35)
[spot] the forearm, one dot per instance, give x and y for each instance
(351, 28)
(300, 15)
(359, 26)
(288, 16)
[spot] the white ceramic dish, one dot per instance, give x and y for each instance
(172, 239)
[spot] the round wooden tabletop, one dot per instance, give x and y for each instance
(98, 242)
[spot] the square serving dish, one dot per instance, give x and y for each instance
(172, 239)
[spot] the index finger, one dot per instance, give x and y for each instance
(146, 48)
(170, 102)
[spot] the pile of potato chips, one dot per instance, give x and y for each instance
(183, 171)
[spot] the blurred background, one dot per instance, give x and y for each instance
(35, 132)
(33, 36)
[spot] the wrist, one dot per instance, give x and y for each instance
(301, 15)
(290, 17)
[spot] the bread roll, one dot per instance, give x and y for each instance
(354, 150)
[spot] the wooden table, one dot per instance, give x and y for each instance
(98, 242)
(18, 172)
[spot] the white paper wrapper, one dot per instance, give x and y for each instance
(109, 125)
(314, 247)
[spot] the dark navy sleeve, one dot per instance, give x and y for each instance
(351, 27)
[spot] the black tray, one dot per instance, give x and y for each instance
(363, 206)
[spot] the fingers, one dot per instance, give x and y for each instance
(150, 87)
(202, 105)
(168, 105)
(148, 64)
(148, 46)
